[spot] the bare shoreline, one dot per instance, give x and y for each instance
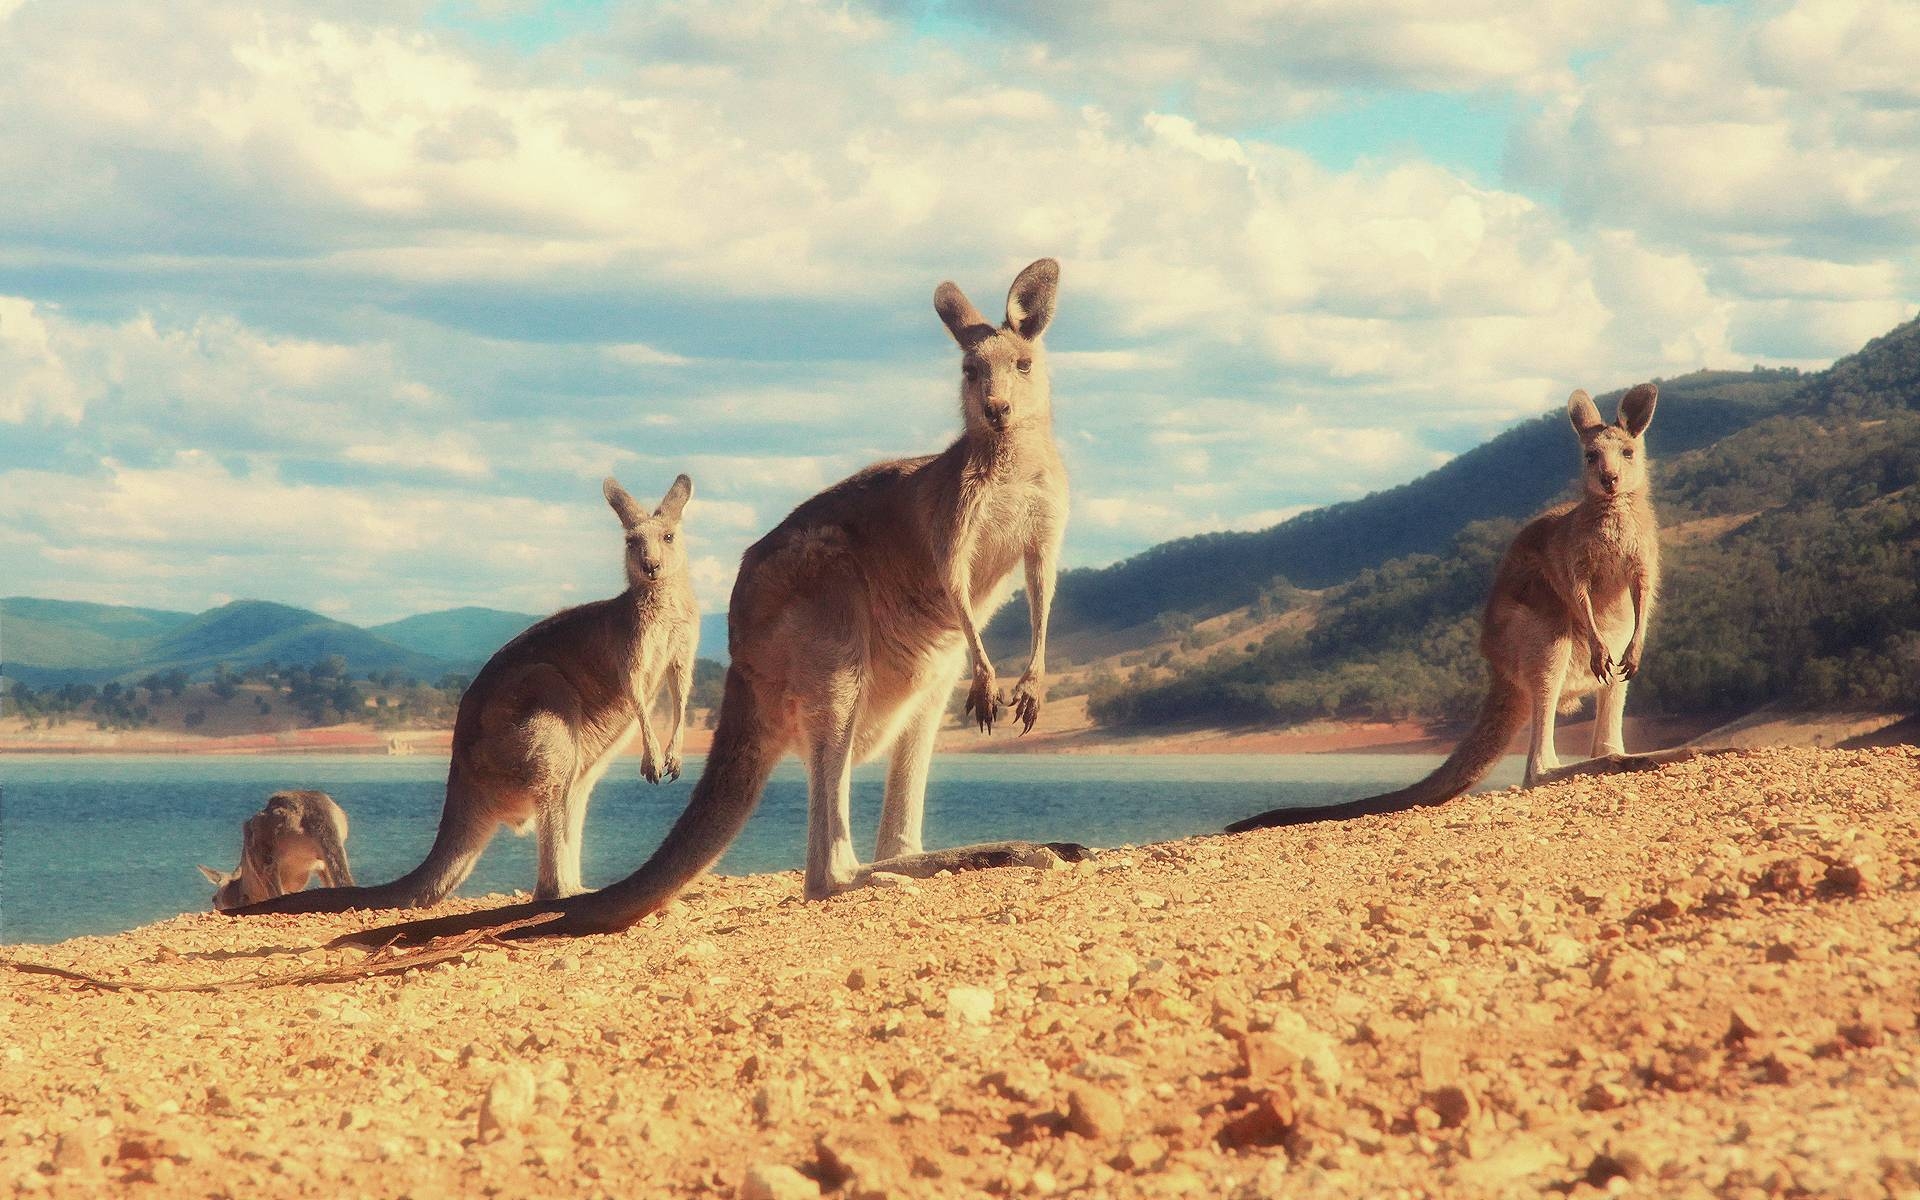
(1698, 981)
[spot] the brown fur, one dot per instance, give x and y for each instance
(852, 619)
(1568, 615)
(293, 836)
(548, 714)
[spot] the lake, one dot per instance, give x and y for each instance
(94, 844)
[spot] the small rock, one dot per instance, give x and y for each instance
(1455, 1104)
(1094, 1113)
(777, 1182)
(1142, 1154)
(566, 963)
(1025, 1084)
(857, 980)
(1603, 1097)
(1265, 1123)
(1853, 878)
(969, 1006)
(1144, 899)
(78, 1149)
(1741, 1025)
(508, 1104)
(1609, 1165)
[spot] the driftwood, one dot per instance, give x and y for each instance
(383, 961)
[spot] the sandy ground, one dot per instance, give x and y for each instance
(1701, 982)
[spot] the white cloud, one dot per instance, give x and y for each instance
(323, 208)
(35, 382)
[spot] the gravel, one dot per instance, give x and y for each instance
(1699, 982)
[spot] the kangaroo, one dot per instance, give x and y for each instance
(292, 836)
(849, 625)
(543, 720)
(1568, 615)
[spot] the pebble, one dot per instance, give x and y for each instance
(508, 1103)
(969, 1006)
(1094, 1113)
(777, 1182)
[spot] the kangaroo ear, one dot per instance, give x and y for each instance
(1583, 414)
(959, 315)
(675, 501)
(1636, 408)
(1030, 299)
(216, 878)
(624, 506)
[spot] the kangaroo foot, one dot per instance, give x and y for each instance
(1625, 764)
(972, 858)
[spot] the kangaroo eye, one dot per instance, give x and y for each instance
(1593, 456)
(1024, 365)
(970, 371)
(669, 537)
(1626, 454)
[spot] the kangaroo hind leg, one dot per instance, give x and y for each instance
(903, 811)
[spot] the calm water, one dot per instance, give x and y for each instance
(101, 843)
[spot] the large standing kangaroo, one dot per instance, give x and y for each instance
(850, 623)
(1568, 615)
(548, 714)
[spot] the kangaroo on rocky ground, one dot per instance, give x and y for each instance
(850, 623)
(542, 721)
(1568, 615)
(292, 836)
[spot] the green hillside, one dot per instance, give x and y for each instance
(465, 637)
(1792, 572)
(43, 633)
(248, 631)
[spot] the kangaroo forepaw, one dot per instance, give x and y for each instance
(1026, 710)
(649, 769)
(671, 769)
(1601, 662)
(1630, 664)
(982, 705)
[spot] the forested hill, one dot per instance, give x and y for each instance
(1792, 557)
(1512, 475)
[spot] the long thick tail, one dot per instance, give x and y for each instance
(1502, 714)
(745, 749)
(463, 834)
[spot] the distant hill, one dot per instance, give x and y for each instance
(1513, 475)
(1792, 573)
(52, 642)
(37, 633)
(461, 637)
(251, 631)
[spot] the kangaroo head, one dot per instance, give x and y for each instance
(655, 551)
(1616, 454)
(1003, 371)
(229, 889)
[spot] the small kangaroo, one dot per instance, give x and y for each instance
(850, 623)
(543, 720)
(292, 836)
(1568, 615)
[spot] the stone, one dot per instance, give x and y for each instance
(508, 1104)
(777, 1181)
(969, 1006)
(1094, 1113)
(1264, 1123)
(1455, 1104)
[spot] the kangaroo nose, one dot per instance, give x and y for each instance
(997, 411)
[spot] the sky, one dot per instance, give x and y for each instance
(351, 305)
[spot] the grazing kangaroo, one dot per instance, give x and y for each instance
(1568, 615)
(292, 836)
(542, 721)
(850, 623)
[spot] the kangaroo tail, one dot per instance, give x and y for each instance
(1502, 714)
(456, 847)
(745, 749)
(743, 756)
